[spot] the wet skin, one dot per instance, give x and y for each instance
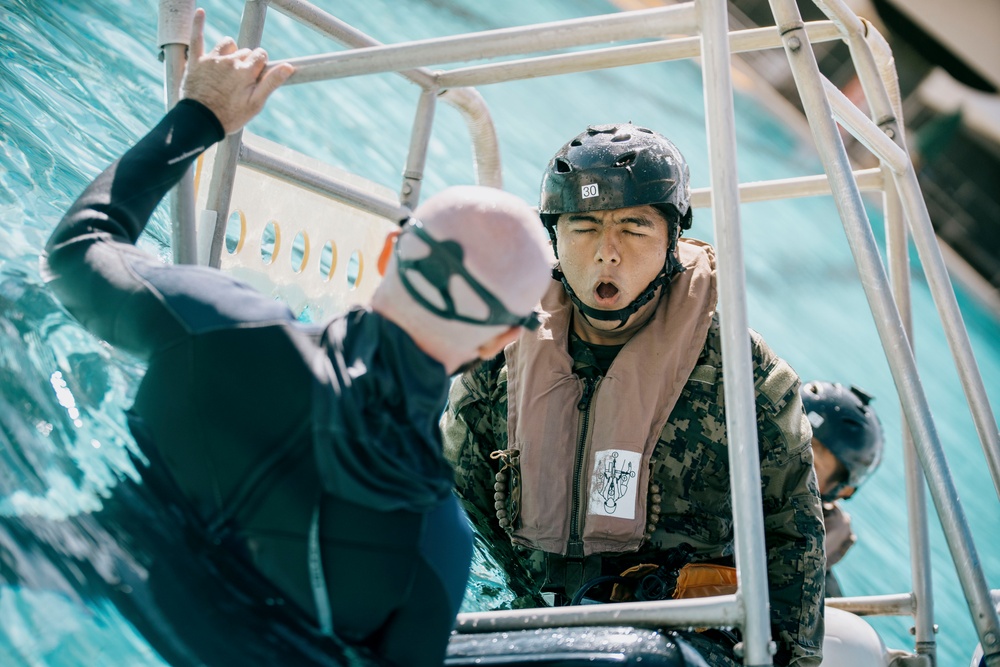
(609, 257)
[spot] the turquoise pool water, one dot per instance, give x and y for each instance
(80, 81)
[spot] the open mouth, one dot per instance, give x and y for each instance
(605, 293)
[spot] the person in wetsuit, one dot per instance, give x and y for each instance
(310, 453)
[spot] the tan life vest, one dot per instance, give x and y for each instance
(631, 405)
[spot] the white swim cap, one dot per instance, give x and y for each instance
(472, 262)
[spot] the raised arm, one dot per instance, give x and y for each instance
(104, 281)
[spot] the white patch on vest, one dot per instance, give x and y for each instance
(613, 483)
(589, 190)
(815, 419)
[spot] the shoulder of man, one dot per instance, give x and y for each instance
(781, 420)
(776, 384)
(476, 412)
(484, 386)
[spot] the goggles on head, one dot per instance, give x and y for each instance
(438, 268)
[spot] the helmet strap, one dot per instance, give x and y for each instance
(622, 314)
(671, 268)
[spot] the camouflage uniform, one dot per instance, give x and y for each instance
(691, 460)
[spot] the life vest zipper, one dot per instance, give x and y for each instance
(575, 546)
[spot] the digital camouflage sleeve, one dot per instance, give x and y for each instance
(691, 466)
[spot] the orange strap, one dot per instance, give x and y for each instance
(700, 580)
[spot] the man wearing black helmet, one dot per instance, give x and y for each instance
(847, 447)
(597, 446)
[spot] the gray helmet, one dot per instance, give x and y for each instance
(846, 425)
(619, 166)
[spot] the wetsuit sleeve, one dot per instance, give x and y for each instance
(127, 296)
(120, 201)
(793, 521)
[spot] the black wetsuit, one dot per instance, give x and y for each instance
(311, 453)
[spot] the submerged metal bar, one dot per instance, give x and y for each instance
(737, 370)
(887, 318)
(605, 28)
(719, 611)
(868, 180)
(270, 164)
(619, 56)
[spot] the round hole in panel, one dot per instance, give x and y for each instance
(236, 232)
(270, 242)
(300, 252)
(328, 261)
(355, 269)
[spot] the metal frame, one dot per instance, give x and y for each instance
(705, 22)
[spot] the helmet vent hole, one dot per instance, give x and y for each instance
(622, 137)
(626, 159)
(563, 166)
(576, 142)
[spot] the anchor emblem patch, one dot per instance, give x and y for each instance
(612, 491)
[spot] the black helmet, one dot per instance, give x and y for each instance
(846, 425)
(616, 166)
(619, 166)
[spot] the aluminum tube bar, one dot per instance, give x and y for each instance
(868, 180)
(942, 486)
(329, 25)
(887, 319)
(173, 34)
(270, 164)
(937, 272)
(468, 102)
(740, 41)
(416, 158)
(719, 611)
(864, 62)
(897, 254)
(927, 247)
(865, 130)
(220, 188)
(486, 147)
(737, 370)
(602, 29)
(901, 604)
(183, 228)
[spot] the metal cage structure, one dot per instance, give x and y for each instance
(684, 30)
